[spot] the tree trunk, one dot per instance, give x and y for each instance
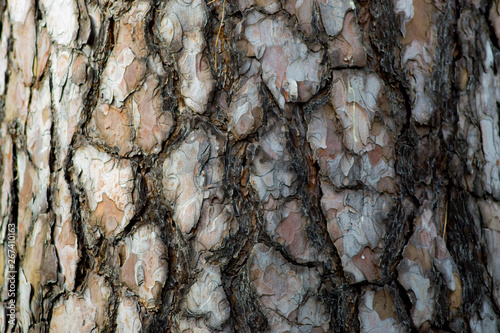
(250, 166)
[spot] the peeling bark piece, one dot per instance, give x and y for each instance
(420, 289)
(33, 184)
(98, 293)
(24, 302)
(377, 312)
(36, 247)
(73, 315)
(183, 35)
(171, 32)
(126, 68)
(188, 325)
(22, 17)
(284, 289)
(23, 52)
(425, 251)
(286, 224)
(129, 115)
(422, 108)
(144, 265)
(292, 233)
(333, 13)
(491, 149)
(270, 164)
(313, 315)
(267, 6)
(62, 20)
(354, 97)
(152, 125)
(67, 97)
(38, 267)
(207, 298)
(141, 122)
(16, 100)
(374, 168)
(38, 126)
(488, 95)
(412, 270)
(245, 4)
(303, 11)
(124, 71)
(65, 238)
(184, 179)
(84, 313)
(289, 69)
(216, 217)
(346, 50)
(34, 172)
(485, 320)
(108, 185)
(128, 319)
(214, 225)
(369, 157)
(196, 20)
(196, 77)
(418, 44)
(405, 10)
(113, 126)
(357, 228)
(245, 111)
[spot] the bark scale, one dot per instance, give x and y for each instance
(250, 166)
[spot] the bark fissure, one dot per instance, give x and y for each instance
(256, 166)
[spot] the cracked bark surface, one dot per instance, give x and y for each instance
(250, 166)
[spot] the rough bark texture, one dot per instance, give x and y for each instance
(250, 165)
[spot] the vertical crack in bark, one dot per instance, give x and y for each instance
(87, 255)
(246, 313)
(493, 37)
(462, 239)
(343, 301)
(464, 246)
(401, 226)
(76, 220)
(403, 305)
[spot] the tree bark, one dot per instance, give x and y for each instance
(250, 166)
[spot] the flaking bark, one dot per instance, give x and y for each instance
(287, 166)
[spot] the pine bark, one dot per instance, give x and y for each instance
(250, 166)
